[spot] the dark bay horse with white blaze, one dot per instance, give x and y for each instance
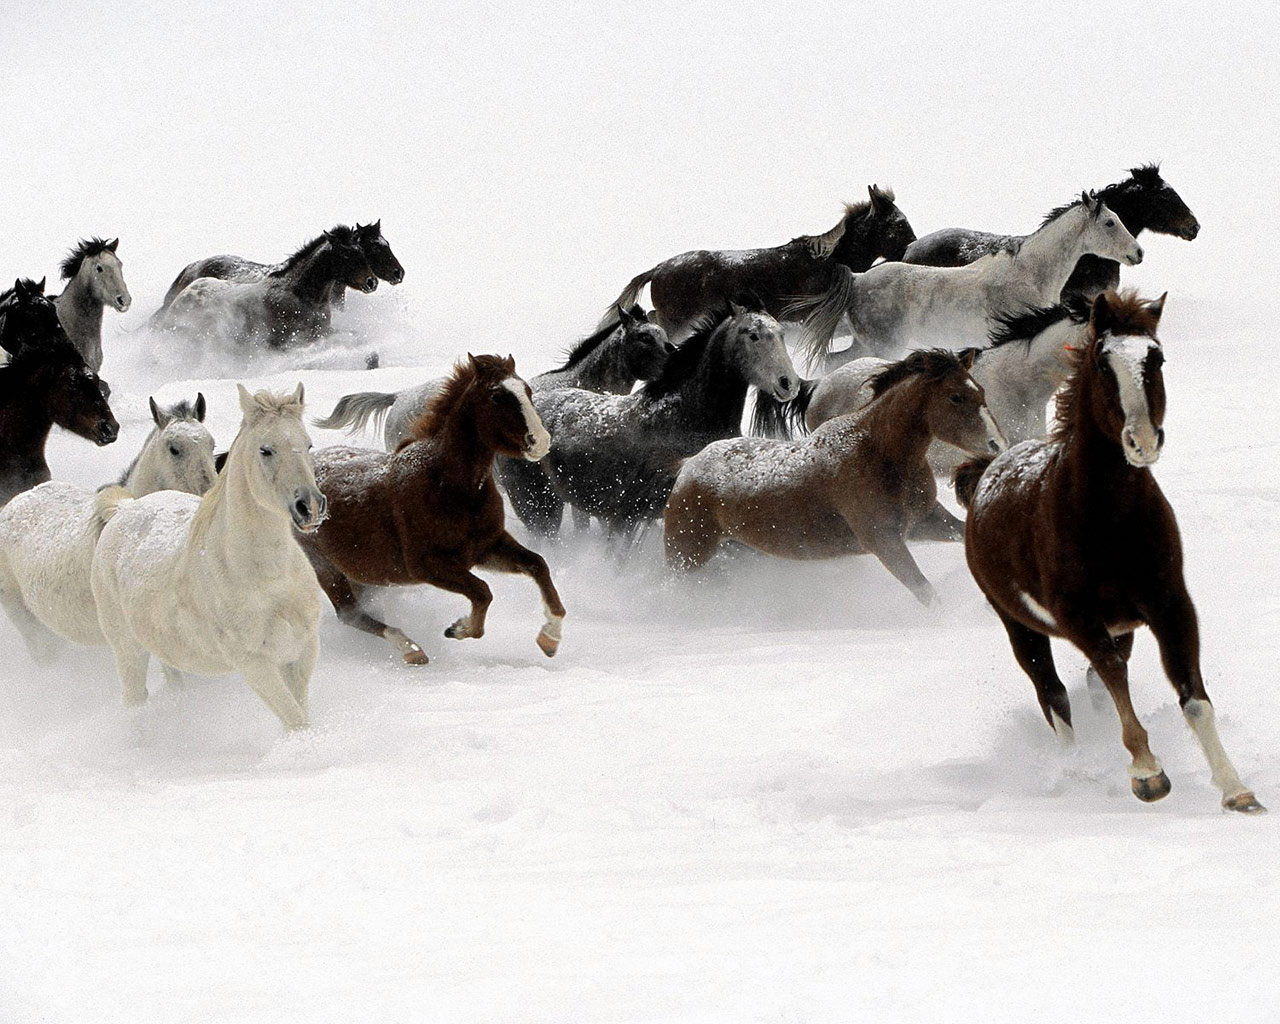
(693, 284)
(430, 511)
(1072, 538)
(1144, 201)
(859, 483)
(46, 381)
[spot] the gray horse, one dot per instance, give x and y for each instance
(95, 279)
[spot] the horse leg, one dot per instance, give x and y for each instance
(131, 666)
(297, 674)
(173, 678)
(42, 642)
(509, 555)
(937, 524)
(458, 579)
(1178, 634)
(1147, 779)
(1097, 689)
(345, 599)
(1035, 656)
(581, 519)
(267, 681)
(690, 530)
(894, 555)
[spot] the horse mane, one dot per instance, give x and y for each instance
(1144, 176)
(929, 363)
(339, 232)
(466, 372)
(26, 284)
(1024, 325)
(86, 247)
(183, 409)
(823, 245)
(1058, 211)
(589, 344)
(684, 360)
(1127, 314)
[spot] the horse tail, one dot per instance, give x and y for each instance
(627, 299)
(354, 411)
(821, 314)
(772, 418)
(966, 476)
(107, 503)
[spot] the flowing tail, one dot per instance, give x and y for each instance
(627, 299)
(355, 411)
(966, 476)
(821, 314)
(107, 502)
(772, 418)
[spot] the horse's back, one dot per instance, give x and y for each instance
(47, 539)
(955, 247)
(843, 390)
(409, 404)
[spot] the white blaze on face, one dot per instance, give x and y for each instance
(532, 422)
(1127, 356)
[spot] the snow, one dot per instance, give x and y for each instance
(772, 791)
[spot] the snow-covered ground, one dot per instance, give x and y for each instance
(775, 792)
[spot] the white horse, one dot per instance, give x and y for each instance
(219, 584)
(95, 279)
(47, 534)
(897, 306)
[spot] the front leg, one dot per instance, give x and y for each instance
(297, 674)
(268, 682)
(937, 524)
(888, 546)
(509, 555)
(458, 579)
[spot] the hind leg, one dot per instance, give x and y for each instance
(1035, 657)
(297, 674)
(690, 530)
(1098, 695)
(267, 681)
(173, 678)
(131, 665)
(345, 597)
(42, 642)
(509, 555)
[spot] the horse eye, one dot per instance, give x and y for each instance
(98, 268)
(173, 450)
(1111, 223)
(266, 451)
(754, 336)
(957, 399)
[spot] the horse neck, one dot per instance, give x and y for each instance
(1047, 257)
(80, 312)
(314, 278)
(24, 419)
(855, 248)
(1129, 204)
(604, 369)
(246, 538)
(468, 461)
(895, 422)
(141, 476)
(712, 398)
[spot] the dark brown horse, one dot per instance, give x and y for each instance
(46, 381)
(687, 287)
(1072, 537)
(430, 511)
(859, 483)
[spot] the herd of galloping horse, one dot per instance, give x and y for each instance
(958, 343)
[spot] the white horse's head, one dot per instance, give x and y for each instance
(179, 456)
(761, 354)
(1104, 235)
(275, 452)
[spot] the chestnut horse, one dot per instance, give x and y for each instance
(430, 511)
(1072, 538)
(859, 483)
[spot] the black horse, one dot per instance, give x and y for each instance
(1144, 201)
(377, 251)
(687, 287)
(46, 381)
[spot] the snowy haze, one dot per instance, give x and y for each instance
(778, 792)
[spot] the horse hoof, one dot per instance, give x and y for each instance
(1151, 789)
(548, 644)
(416, 656)
(1245, 803)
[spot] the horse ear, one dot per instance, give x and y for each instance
(40, 285)
(200, 406)
(111, 245)
(247, 405)
(624, 317)
(156, 414)
(967, 357)
(1156, 306)
(510, 364)
(879, 198)
(736, 310)
(1101, 315)
(296, 397)
(377, 226)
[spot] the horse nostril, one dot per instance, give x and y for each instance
(993, 447)
(786, 383)
(1160, 437)
(303, 510)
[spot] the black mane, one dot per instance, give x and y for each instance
(589, 344)
(85, 247)
(930, 363)
(339, 232)
(684, 360)
(1058, 211)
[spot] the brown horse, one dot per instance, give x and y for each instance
(859, 483)
(430, 511)
(1071, 537)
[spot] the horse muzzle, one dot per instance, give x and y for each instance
(370, 284)
(397, 275)
(787, 388)
(1190, 232)
(107, 432)
(1135, 257)
(1141, 447)
(536, 448)
(123, 302)
(308, 511)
